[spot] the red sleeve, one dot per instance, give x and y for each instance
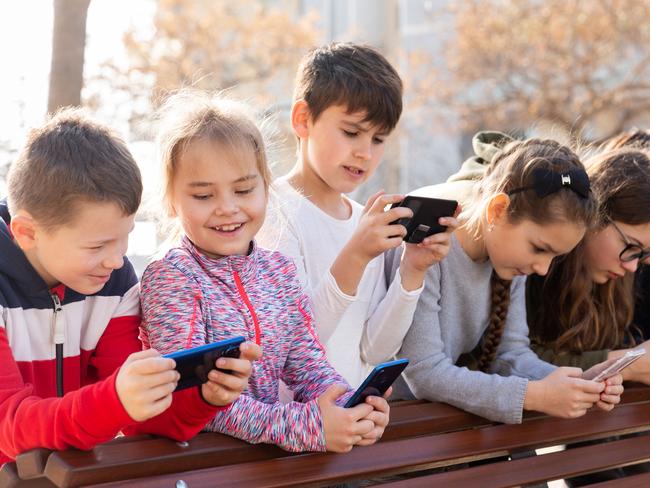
(82, 418)
(187, 414)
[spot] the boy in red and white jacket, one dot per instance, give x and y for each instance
(72, 369)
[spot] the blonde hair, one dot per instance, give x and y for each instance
(190, 115)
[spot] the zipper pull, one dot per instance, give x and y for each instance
(58, 322)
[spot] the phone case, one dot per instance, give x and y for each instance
(620, 364)
(195, 364)
(378, 381)
(426, 212)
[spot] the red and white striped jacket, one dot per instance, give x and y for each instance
(100, 332)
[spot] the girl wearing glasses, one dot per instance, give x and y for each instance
(580, 313)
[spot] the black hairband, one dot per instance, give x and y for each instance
(546, 182)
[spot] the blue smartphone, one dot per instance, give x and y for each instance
(195, 364)
(378, 381)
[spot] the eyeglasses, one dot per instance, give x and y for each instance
(631, 251)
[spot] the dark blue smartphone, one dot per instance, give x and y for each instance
(426, 213)
(378, 381)
(195, 364)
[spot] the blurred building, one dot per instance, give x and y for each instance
(423, 151)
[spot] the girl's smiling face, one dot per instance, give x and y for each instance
(219, 197)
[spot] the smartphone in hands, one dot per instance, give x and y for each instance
(195, 364)
(378, 381)
(617, 365)
(426, 213)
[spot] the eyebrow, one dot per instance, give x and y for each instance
(106, 241)
(203, 184)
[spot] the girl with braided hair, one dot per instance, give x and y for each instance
(533, 205)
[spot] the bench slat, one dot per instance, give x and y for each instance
(405, 455)
(555, 465)
(635, 481)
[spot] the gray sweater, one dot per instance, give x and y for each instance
(450, 320)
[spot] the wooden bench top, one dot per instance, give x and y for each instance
(404, 455)
(421, 434)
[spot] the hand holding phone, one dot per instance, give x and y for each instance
(195, 364)
(615, 367)
(378, 381)
(426, 213)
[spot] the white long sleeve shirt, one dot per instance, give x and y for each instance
(358, 331)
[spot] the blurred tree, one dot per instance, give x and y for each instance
(582, 66)
(68, 45)
(213, 45)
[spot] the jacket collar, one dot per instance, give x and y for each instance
(14, 263)
(226, 266)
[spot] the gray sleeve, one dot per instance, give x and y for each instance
(432, 374)
(514, 356)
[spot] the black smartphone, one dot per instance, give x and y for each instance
(426, 212)
(378, 381)
(195, 364)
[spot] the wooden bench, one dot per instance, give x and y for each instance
(421, 436)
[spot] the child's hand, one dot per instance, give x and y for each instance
(563, 393)
(375, 234)
(379, 416)
(417, 258)
(611, 396)
(224, 388)
(343, 427)
(145, 383)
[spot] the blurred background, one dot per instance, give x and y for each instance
(575, 70)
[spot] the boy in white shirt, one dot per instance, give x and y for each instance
(347, 100)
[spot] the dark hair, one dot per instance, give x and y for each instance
(587, 316)
(634, 138)
(510, 171)
(356, 76)
(68, 160)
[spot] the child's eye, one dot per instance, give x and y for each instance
(245, 191)
(538, 250)
(378, 140)
(200, 197)
(350, 133)
(95, 248)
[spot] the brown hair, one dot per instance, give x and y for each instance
(354, 75)
(190, 115)
(587, 316)
(68, 160)
(513, 169)
(634, 138)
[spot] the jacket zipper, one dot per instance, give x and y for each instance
(249, 305)
(58, 332)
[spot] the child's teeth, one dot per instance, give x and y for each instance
(228, 228)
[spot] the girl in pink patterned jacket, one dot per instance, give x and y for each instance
(216, 283)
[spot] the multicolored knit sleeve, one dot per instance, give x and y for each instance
(172, 314)
(295, 427)
(307, 372)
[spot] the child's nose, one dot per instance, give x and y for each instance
(225, 207)
(363, 150)
(541, 267)
(630, 266)
(114, 261)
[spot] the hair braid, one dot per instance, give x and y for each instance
(500, 302)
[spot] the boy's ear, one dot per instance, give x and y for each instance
(497, 209)
(23, 228)
(300, 116)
